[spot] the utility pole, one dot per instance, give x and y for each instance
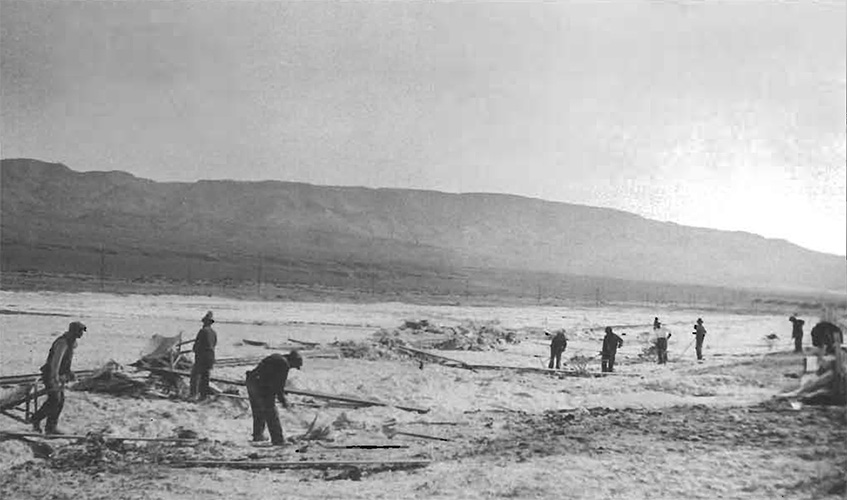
(259, 277)
(102, 267)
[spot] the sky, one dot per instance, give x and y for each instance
(720, 114)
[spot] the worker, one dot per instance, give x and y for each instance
(826, 336)
(557, 347)
(700, 334)
(661, 336)
(204, 358)
(797, 332)
(265, 383)
(611, 343)
(55, 373)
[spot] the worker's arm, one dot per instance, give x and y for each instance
(280, 395)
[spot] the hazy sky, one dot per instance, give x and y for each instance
(728, 115)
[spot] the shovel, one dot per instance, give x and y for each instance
(389, 428)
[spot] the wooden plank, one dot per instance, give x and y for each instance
(305, 464)
(319, 395)
(105, 438)
(364, 446)
(444, 359)
(303, 342)
(364, 402)
(533, 369)
(33, 377)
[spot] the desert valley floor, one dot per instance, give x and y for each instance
(688, 429)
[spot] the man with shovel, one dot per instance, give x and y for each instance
(265, 383)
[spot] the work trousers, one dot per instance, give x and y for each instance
(263, 406)
(662, 350)
(698, 346)
(51, 409)
(200, 373)
(607, 363)
(798, 343)
(555, 355)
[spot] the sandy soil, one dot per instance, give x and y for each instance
(682, 430)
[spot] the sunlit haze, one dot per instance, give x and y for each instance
(727, 115)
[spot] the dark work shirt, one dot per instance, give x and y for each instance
(59, 359)
(559, 342)
(205, 341)
(797, 331)
(611, 342)
(271, 375)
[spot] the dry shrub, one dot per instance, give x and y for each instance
(580, 363)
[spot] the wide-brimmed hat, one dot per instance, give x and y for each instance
(208, 318)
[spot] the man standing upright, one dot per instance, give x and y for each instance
(661, 335)
(700, 334)
(557, 347)
(797, 333)
(204, 357)
(611, 343)
(54, 373)
(265, 383)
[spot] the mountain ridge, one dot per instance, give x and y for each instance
(51, 203)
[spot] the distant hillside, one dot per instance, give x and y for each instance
(56, 209)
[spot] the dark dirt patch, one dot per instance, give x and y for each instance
(812, 433)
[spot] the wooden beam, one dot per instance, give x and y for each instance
(362, 446)
(303, 342)
(443, 359)
(306, 464)
(319, 395)
(105, 438)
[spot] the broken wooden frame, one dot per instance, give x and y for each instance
(26, 397)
